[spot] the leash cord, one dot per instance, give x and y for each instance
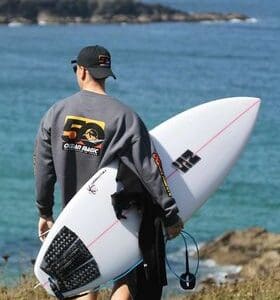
(184, 236)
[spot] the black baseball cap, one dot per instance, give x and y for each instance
(97, 60)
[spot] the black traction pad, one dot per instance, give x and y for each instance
(68, 262)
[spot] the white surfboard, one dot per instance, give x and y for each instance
(88, 245)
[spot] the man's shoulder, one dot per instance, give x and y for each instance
(65, 101)
(56, 107)
(112, 106)
(120, 109)
(117, 104)
(106, 100)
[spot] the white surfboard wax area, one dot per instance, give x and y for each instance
(206, 141)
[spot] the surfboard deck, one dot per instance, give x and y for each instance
(88, 245)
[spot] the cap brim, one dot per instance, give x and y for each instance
(101, 73)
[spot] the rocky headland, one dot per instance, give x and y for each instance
(255, 250)
(99, 11)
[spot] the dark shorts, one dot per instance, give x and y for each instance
(139, 287)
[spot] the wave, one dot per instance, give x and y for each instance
(252, 20)
(213, 22)
(15, 24)
(42, 23)
(232, 21)
(219, 274)
(208, 268)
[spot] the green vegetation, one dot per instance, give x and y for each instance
(99, 11)
(25, 291)
(267, 288)
(30, 9)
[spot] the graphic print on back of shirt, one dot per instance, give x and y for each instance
(83, 135)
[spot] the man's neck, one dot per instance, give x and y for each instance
(95, 88)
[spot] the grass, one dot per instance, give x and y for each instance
(257, 289)
(25, 291)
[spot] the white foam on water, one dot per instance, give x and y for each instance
(252, 20)
(42, 23)
(212, 22)
(234, 21)
(208, 268)
(15, 24)
(208, 263)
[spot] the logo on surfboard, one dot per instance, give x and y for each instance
(83, 135)
(157, 161)
(186, 161)
(92, 188)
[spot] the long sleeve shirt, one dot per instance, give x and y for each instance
(85, 132)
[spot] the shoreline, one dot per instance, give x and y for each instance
(15, 24)
(122, 19)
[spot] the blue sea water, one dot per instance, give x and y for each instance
(162, 69)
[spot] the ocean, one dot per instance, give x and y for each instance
(162, 69)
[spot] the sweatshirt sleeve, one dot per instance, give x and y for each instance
(44, 171)
(141, 157)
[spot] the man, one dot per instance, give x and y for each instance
(85, 132)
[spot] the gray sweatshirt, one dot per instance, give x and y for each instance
(85, 132)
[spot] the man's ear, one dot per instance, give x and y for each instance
(84, 73)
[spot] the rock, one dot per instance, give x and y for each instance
(199, 17)
(97, 19)
(208, 281)
(143, 19)
(262, 266)
(3, 20)
(6, 257)
(257, 250)
(44, 17)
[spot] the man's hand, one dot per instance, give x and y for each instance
(174, 230)
(44, 226)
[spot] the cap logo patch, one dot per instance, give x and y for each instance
(104, 61)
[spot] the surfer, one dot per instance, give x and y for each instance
(112, 131)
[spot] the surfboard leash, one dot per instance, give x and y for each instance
(187, 279)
